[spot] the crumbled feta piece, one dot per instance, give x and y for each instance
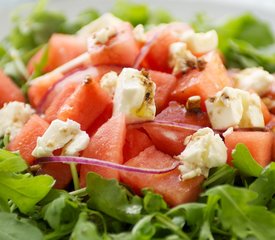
(139, 34)
(200, 43)
(134, 96)
(204, 150)
(106, 20)
(256, 79)
(109, 81)
(13, 116)
(234, 107)
(228, 132)
(102, 36)
(180, 58)
(61, 134)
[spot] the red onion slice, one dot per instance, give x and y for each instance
(101, 163)
(144, 51)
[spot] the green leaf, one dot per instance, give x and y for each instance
(144, 229)
(12, 228)
(244, 162)
(112, 199)
(264, 185)
(11, 162)
(240, 216)
(245, 41)
(153, 202)
(159, 16)
(38, 67)
(247, 28)
(83, 18)
(62, 213)
(24, 190)
(84, 229)
(133, 12)
(220, 175)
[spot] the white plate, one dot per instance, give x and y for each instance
(181, 9)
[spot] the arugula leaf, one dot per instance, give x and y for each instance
(245, 41)
(220, 175)
(61, 214)
(12, 228)
(10, 162)
(84, 229)
(264, 185)
(153, 202)
(132, 12)
(244, 162)
(24, 190)
(83, 18)
(112, 199)
(239, 216)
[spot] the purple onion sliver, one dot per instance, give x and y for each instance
(144, 51)
(101, 163)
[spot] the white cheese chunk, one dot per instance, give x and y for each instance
(13, 116)
(106, 20)
(134, 96)
(109, 81)
(102, 36)
(234, 107)
(204, 150)
(180, 58)
(139, 34)
(61, 134)
(256, 79)
(200, 43)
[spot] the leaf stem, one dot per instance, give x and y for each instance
(74, 175)
(81, 191)
(173, 227)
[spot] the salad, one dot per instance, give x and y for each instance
(132, 125)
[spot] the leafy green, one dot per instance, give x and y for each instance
(245, 41)
(221, 175)
(23, 189)
(31, 32)
(84, 229)
(10, 162)
(239, 216)
(139, 13)
(153, 202)
(112, 199)
(12, 228)
(244, 162)
(132, 12)
(61, 214)
(264, 185)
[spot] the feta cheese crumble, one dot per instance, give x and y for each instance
(139, 34)
(256, 79)
(134, 96)
(106, 20)
(234, 107)
(13, 116)
(102, 36)
(204, 150)
(61, 134)
(180, 58)
(109, 81)
(200, 43)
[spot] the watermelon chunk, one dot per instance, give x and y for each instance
(107, 145)
(258, 143)
(8, 90)
(169, 185)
